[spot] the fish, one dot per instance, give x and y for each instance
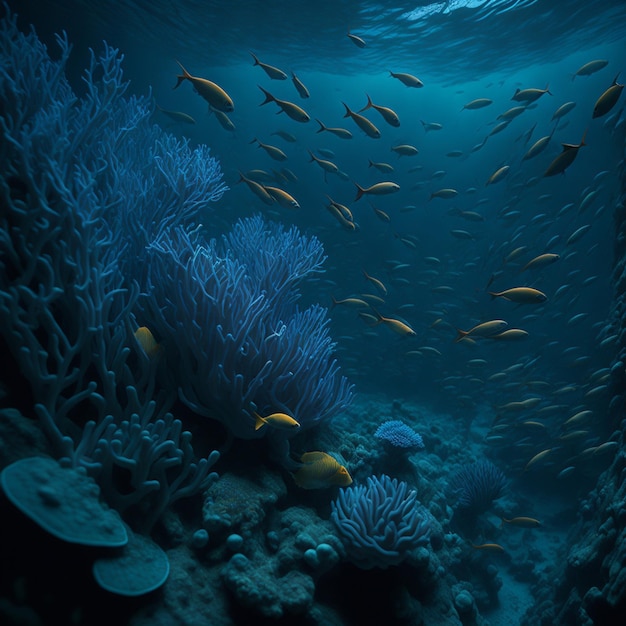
(321, 470)
(512, 113)
(389, 115)
(299, 85)
(381, 167)
(356, 40)
(327, 166)
(342, 133)
(376, 282)
(407, 79)
(608, 99)
(396, 325)
(146, 340)
(257, 189)
(520, 295)
(281, 421)
(378, 189)
(381, 215)
(577, 234)
(565, 158)
(405, 150)
(498, 175)
(461, 234)
(357, 303)
(283, 134)
(177, 116)
(590, 68)
(432, 126)
(541, 261)
(225, 122)
(479, 103)
(363, 123)
(273, 72)
(292, 110)
(524, 522)
(454, 153)
(282, 197)
(510, 334)
(538, 457)
(276, 153)
(490, 547)
(208, 90)
(344, 210)
(538, 147)
(529, 95)
(445, 194)
(484, 329)
(563, 110)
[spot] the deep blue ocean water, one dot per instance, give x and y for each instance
(437, 278)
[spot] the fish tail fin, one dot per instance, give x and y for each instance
(312, 156)
(268, 96)
(582, 141)
(493, 294)
(242, 178)
(369, 104)
(259, 422)
(181, 77)
(370, 163)
(460, 334)
(348, 111)
(255, 140)
(256, 61)
(359, 192)
(548, 89)
(616, 77)
(335, 303)
(322, 127)
(379, 317)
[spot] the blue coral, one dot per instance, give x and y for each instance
(398, 436)
(381, 522)
(231, 327)
(477, 485)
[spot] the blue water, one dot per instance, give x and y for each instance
(436, 282)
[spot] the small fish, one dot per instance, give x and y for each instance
(444, 194)
(590, 68)
(177, 116)
(276, 153)
(320, 470)
(292, 110)
(489, 547)
(479, 103)
(529, 95)
(608, 99)
(380, 166)
(484, 329)
(376, 282)
(405, 150)
(342, 133)
(299, 85)
(541, 261)
(397, 326)
(577, 234)
(565, 158)
(512, 113)
(431, 125)
(524, 522)
(356, 40)
(208, 90)
(273, 72)
(327, 166)
(379, 189)
(363, 123)
(281, 421)
(407, 79)
(461, 234)
(520, 295)
(225, 122)
(389, 115)
(282, 197)
(283, 134)
(538, 457)
(498, 175)
(146, 340)
(538, 147)
(563, 110)
(511, 334)
(257, 189)
(355, 303)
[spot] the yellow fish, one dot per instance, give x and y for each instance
(521, 295)
(379, 189)
(608, 99)
(562, 161)
(389, 115)
(282, 421)
(292, 110)
(362, 122)
(320, 470)
(407, 79)
(147, 341)
(211, 92)
(270, 70)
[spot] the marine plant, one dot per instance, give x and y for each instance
(399, 437)
(381, 522)
(476, 486)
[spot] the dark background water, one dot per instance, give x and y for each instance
(460, 51)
